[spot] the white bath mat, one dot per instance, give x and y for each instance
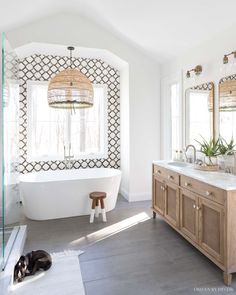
(63, 278)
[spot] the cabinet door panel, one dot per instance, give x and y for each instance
(189, 214)
(158, 195)
(172, 204)
(211, 229)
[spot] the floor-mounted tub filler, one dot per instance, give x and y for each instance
(65, 193)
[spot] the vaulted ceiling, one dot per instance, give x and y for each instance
(163, 28)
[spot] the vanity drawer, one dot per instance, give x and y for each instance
(166, 174)
(203, 189)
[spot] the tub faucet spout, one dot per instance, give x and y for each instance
(68, 157)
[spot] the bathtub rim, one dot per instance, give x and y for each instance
(25, 178)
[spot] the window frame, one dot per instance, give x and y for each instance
(77, 157)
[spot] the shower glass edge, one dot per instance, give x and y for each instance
(10, 200)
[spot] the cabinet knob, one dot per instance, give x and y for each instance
(198, 208)
(159, 171)
(187, 184)
(170, 177)
(208, 193)
(194, 206)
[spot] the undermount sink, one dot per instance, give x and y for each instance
(178, 164)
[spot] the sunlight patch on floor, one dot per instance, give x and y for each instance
(112, 229)
(27, 281)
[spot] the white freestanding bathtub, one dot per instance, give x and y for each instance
(65, 193)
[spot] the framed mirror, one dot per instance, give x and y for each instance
(227, 107)
(199, 113)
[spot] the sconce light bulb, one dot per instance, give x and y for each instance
(225, 59)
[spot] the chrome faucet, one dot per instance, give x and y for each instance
(189, 160)
(68, 157)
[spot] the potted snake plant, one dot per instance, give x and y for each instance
(210, 149)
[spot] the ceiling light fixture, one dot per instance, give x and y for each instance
(197, 70)
(70, 89)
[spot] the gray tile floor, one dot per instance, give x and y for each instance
(130, 254)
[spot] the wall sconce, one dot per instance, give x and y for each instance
(197, 70)
(226, 57)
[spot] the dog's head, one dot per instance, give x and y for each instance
(20, 269)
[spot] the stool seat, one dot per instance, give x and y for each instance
(96, 198)
(95, 195)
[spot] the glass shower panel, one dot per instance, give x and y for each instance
(1, 161)
(10, 203)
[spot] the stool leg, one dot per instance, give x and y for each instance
(104, 218)
(96, 209)
(92, 211)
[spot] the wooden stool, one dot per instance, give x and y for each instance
(96, 197)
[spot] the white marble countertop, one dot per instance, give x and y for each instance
(218, 179)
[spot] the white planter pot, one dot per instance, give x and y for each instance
(229, 163)
(211, 161)
(222, 162)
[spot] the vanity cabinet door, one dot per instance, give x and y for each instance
(189, 214)
(211, 228)
(172, 204)
(158, 195)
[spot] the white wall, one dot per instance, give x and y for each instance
(208, 54)
(140, 104)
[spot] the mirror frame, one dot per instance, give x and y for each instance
(203, 86)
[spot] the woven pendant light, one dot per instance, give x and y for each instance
(70, 89)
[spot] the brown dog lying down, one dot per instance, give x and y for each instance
(32, 262)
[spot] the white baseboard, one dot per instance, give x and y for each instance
(135, 197)
(6, 276)
(140, 197)
(124, 193)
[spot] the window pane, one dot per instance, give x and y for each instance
(227, 125)
(88, 127)
(46, 126)
(50, 129)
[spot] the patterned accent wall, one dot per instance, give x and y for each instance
(43, 68)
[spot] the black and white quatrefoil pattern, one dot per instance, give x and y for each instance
(206, 86)
(43, 68)
(228, 78)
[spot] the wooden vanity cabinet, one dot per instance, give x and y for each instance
(205, 215)
(171, 210)
(166, 195)
(211, 228)
(202, 221)
(189, 215)
(158, 200)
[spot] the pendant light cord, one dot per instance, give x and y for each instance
(71, 48)
(71, 59)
